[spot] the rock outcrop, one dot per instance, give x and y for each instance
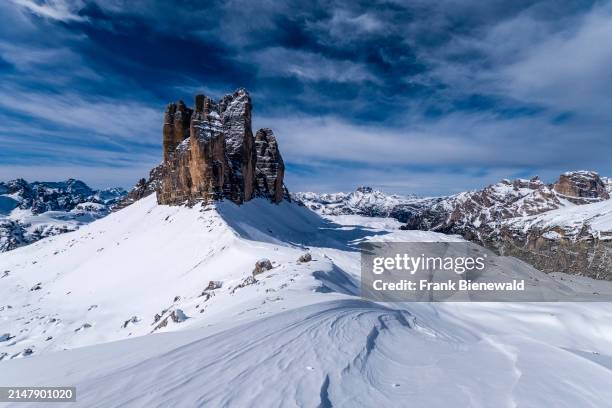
(582, 187)
(550, 226)
(210, 154)
(269, 166)
(576, 239)
(143, 188)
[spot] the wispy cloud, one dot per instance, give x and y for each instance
(60, 10)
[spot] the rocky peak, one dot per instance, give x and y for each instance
(269, 169)
(210, 153)
(581, 185)
(608, 183)
(177, 119)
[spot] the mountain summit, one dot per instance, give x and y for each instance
(210, 153)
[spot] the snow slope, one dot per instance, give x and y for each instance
(297, 335)
(82, 287)
(593, 220)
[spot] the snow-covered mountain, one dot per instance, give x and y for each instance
(507, 217)
(504, 217)
(31, 211)
(365, 201)
(575, 239)
(176, 286)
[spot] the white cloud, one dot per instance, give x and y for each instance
(456, 140)
(120, 120)
(307, 66)
(569, 69)
(560, 63)
(54, 9)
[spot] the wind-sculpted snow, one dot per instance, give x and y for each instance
(125, 274)
(347, 353)
(196, 327)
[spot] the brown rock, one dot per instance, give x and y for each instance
(176, 127)
(581, 184)
(218, 158)
(305, 258)
(270, 169)
(261, 266)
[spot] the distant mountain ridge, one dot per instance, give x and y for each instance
(365, 201)
(510, 217)
(32, 211)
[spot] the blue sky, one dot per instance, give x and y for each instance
(411, 97)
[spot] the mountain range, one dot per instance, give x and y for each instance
(560, 227)
(32, 211)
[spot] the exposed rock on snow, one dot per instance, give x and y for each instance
(261, 266)
(142, 189)
(305, 258)
(575, 240)
(84, 326)
(248, 281)
(176, 316)
(131, 320)
(212, 285)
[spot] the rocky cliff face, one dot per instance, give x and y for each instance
(510, 217)
(575, 239)
(210, 153)
(582, 187)
(269, 166)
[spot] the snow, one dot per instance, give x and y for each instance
(363, 201)
(596, 218)
(296, 335)
(31, 211)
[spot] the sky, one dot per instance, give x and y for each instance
(412, 97)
